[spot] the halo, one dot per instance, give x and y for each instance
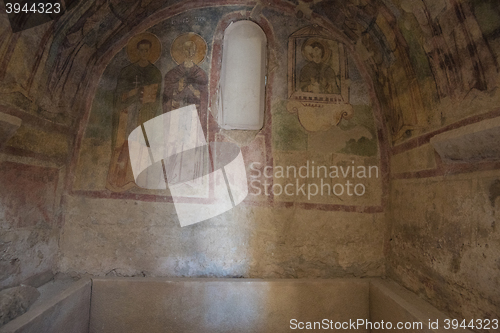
(326, 55)
(177, 51)
(154, 53)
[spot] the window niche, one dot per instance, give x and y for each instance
(241, 97)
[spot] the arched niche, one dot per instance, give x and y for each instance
(243, 77)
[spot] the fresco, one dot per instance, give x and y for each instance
(175, 57)
(186, 84)
(328, 97)
(168, 67)
(317, 79)
(136, 100)
(317, 75)
(431, 65)
(137, 96)
(316, 66)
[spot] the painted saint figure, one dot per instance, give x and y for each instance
(186, 83)
(137, 100)
(317, 76)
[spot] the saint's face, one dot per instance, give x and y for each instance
(317, 55)
(189, 50)
(143, 51)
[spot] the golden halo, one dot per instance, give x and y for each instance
(154, 53)
(177, 49)
(326, 55)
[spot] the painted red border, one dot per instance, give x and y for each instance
(287, 9)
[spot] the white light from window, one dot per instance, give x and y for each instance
(243, 76)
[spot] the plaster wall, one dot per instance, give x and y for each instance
(445, 241)
(133, 238)
(29, 222)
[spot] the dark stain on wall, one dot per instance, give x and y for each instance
(494, 191)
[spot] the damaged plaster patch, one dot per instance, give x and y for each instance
(304, 8)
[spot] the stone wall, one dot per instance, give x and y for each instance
(134, 238)
(29, 221)
(445, 238)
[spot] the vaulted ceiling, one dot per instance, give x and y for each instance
(431, 62)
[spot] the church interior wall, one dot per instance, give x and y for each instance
(264, 236)
(411, 69)
(444, 240)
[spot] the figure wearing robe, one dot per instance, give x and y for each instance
(318, 78)
(137, 100)
(185, 86)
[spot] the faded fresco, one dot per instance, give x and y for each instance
(186, 84)
(329, 98)
(319, 66)
(316, 67)
(167, 68)
(137, 96)
(318, 86)
(159, 71)
(430, 64)
(136, 100)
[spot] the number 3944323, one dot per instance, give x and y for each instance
(33, 8)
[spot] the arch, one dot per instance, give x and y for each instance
(242, 78)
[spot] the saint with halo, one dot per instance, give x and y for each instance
(136, 100)
(317, 76)
(186, 83)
